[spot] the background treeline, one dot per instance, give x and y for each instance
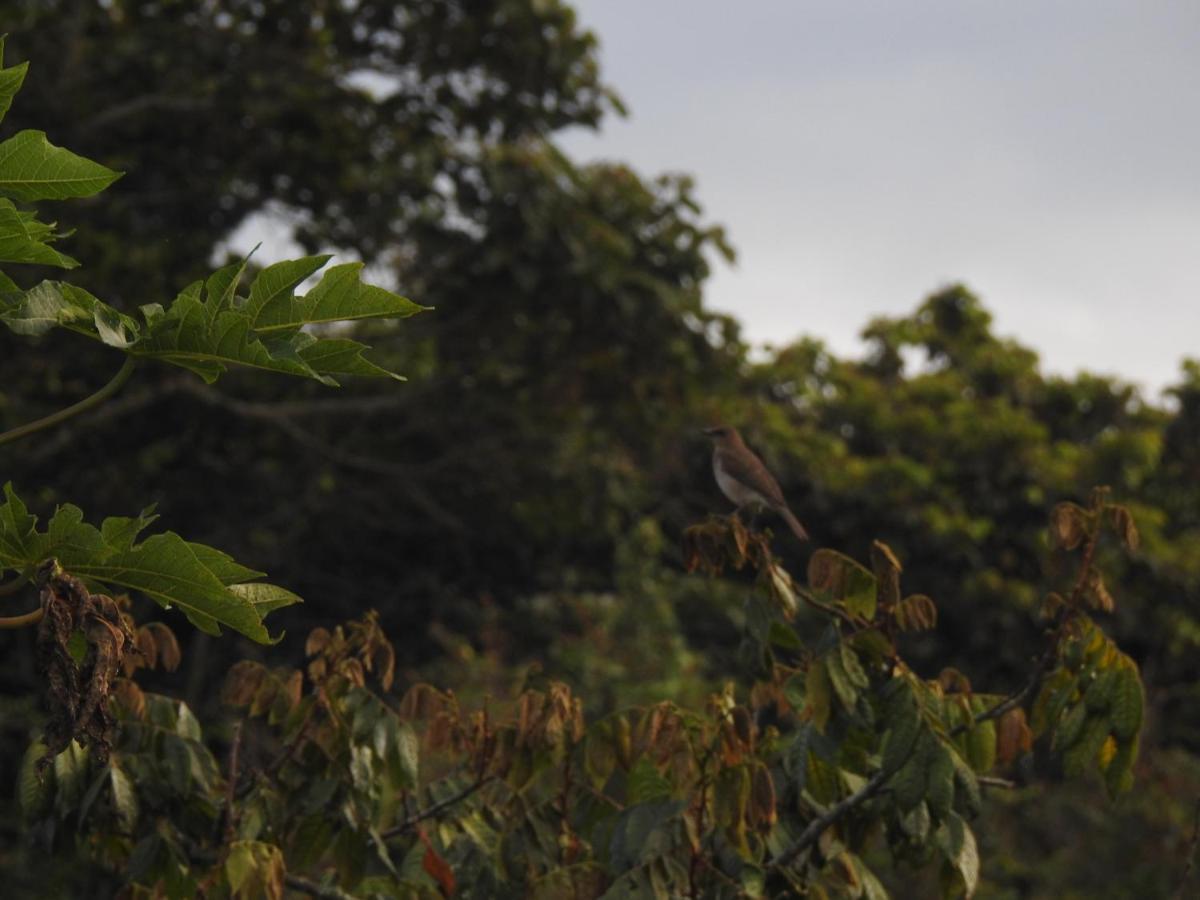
(521, 498)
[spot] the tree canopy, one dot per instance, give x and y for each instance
(523, 496)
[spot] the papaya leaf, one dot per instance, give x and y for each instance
(339, 297)
(31, 168)
(23, 239)
(11, 78)
(204, 583)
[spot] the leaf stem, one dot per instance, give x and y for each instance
(11, 587)
(75, 409)
(29, 618)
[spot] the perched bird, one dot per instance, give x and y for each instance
(744, 479)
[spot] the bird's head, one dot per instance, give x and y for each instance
(722, 434)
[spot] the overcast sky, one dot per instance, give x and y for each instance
(863, 154)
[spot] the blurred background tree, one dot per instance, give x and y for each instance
(522, 496)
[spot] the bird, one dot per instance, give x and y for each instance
(744, 479)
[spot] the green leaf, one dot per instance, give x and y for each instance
(843, 685)
(220, 288)
(1118, 777)
(909, 783)
(408, 756)
(276, 283)
(255, 869)
(265, 598)
(915, 823)
(207, 585)
(208, 334)
(16, 530)
(124, 798)
(186, 723)
(1127, 703)
(939, 779)
(957, 843)
(31, 168)
(872, 887)
(176, 762)
(23, 239)
(967, 793)
(11, 78)
(222, 565)
(903, 721)
(33, 793)
(852, 666)
(44, 307)
(1092, 737)
(119, 532)
(339, 297)
(1072, 727)
(310, 840)
(844, 581)
(165, 569)
(637, 832)
(646, 783)
(70, 767)
(981, 746)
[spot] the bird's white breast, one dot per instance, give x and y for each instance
(739, 493)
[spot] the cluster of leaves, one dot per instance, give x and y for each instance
(1093, 699)
(836, 753)
(208, 586)
(207, 328)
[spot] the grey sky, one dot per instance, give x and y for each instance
(864, 154)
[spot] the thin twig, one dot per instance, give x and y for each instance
(1050, 654)
(316, 890)
(1017, 699)
(428, 813)
(701, 803)
(814, 829)
(993, 782)
(89, 402)
(843, 614)
(1191, 856)
(231, 785)
(11, 587)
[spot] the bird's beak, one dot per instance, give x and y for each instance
(709, 432)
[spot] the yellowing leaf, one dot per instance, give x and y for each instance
(255, 870)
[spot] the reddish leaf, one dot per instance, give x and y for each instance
(436, 867)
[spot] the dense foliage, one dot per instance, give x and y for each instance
(522, 496)
(838, 749)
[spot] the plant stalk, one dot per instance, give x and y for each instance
(87, 403)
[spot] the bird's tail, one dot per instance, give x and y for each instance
(793, 523)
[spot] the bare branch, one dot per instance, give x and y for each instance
(316, 890)
(1181, 892)
(141, 104)
(813, 831)
(428, 813)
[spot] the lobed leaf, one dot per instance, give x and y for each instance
(23, 239)
(207, 585)
(11, 78)
(31, 168)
